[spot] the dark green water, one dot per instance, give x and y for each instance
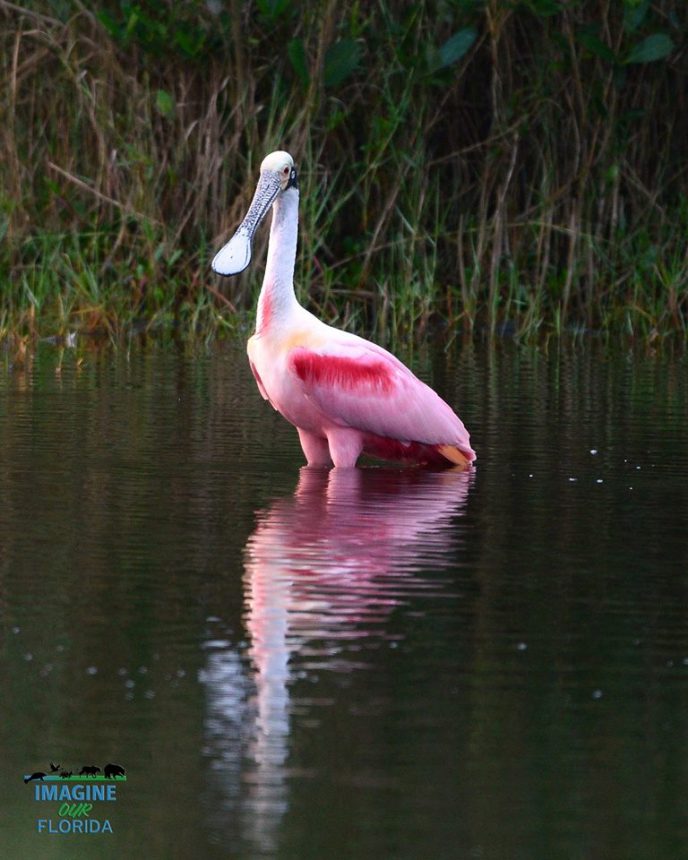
(375, 664)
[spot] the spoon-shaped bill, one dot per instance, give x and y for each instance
(235, 256)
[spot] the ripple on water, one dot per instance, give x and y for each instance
(308, 640)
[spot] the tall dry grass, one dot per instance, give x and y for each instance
(486, 165)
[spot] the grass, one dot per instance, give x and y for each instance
(467, 167)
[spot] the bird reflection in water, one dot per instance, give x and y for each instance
(323, 570)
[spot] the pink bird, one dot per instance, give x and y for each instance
(345, 395)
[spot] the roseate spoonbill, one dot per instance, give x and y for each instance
(345, 395)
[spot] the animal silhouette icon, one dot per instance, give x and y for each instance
(34, 776)
(65, 774)
(112, 770)
(89, 770)
(54, 767)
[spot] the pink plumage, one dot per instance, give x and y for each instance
(345, 395)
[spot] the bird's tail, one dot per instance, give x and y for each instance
(454, 455)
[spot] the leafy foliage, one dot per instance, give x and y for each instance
(658, 46)
(463, 163)
(341, 61)
(456, 47)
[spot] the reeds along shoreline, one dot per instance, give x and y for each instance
(476, 164)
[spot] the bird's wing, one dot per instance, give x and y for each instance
(355, 383)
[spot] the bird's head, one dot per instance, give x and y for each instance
(277, 175)
(279, 165)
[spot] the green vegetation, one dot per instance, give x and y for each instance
(479, 164)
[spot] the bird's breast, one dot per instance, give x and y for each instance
(270, 359)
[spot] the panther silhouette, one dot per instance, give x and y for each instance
(89, 770)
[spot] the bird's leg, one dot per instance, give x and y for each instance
(345, 446)
(315, 448)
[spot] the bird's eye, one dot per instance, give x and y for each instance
(285, 170)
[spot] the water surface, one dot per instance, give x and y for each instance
(379, 663)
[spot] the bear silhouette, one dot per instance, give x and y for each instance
(112, 770)
(37, 775)
(89, 770)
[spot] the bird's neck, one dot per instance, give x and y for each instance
(277, 294)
